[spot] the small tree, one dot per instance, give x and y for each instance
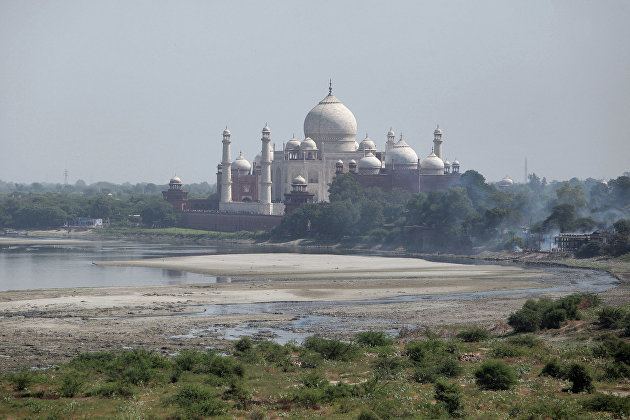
(495, 375)
(581, 378)
(449, 394)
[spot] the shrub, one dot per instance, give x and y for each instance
(242, 345)
(310, 359)
(506, 350)
(495, 375)
(331, 349)
(449, 394)
(111, 389)
(387, 367)
(272, 351)
(611, 317)
(314, 380)
(373, 339)
(221, 366)
(474, 335)
(616, 370)
(555, 369)
(553, 318)
(239, 393)
(71, 384)
(198, 402)
(187, 359)
(581, 378)
(21, 380)
(525, 320)
(424, 375)
(609, 403)
(589, 249)
(450, 368)
(526, 340)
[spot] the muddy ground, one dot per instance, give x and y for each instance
(43, 327)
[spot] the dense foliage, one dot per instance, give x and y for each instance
(550, 314)
(475, 214)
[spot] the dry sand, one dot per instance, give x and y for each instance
(41, 327)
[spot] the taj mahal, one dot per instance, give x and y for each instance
(278, 180)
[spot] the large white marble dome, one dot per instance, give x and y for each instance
(332, 123)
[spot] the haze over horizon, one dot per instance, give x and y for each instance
(138, 91)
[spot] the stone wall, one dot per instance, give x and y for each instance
(228, 222)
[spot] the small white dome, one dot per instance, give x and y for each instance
(226, 132)
(367, 144)
(352, 162)
(447, 163)
(432, 165)
(293, 144)
(437, 130)
(369, 161)
(506, 182)
(308, 144)
(175, 180)
(401, 156)
(340, 162)
(391, 133)
(456, 162)
(298, 180)
(241, 164)
(266, 129)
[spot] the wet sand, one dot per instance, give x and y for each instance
(41, 327)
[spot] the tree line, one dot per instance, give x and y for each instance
(474, 214)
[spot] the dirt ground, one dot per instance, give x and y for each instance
(43, 327)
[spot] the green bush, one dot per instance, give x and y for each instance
(611, 317)
(525, 320)
(221, 366)
(187, 359)
(367, 414)
(71, 384)
(474, 335)
(21, 380)
(450, 395)
(243, 345)
(373, 339)
(526, 340)
(580, 377)
(553, 318)
(386, 367)
(450, 368)
(331, 349)
(196, 401)
(555, 369)
(589, 250)
(111, 389)
(424, 375)
(272, 351)
(506, 350)
(609, 403)
(239, 393)
(495, 375)
(310, 359)
(616, 370)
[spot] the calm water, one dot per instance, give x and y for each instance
(54, 266)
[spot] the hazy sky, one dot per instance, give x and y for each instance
(139, 90)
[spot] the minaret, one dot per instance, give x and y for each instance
(391, 139)
(265, 163)
(437, 142)
(226, 166)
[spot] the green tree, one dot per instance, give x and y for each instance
(158, 213)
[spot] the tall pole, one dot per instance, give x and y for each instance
(226, 163)
(265, 162)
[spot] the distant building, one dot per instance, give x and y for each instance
(85, 222)
(573, 241)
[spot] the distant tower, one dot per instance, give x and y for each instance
(437, 142)
(265, 163)
(226, 166)
(65, 177)
(391, 139)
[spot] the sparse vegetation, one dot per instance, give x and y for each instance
(537, 377)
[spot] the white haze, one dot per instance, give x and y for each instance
(139, 90)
